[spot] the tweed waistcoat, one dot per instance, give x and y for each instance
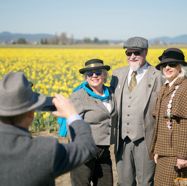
(132, 111)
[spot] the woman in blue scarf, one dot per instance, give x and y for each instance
(95, 104)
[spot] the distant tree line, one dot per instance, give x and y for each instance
(63, 40)
(19, 41)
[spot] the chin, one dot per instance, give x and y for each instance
(134, 67)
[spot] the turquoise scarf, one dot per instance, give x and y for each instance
(62, 121)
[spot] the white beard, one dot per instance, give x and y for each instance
(134, 67)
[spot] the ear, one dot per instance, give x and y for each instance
(31, 114)
(104, 74)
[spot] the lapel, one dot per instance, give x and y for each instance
(120, 86)
(168, 94)
(149, 81)
(99, 103)
(111, 103)
(177, 82)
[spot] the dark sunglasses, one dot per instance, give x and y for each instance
(171, 64)
(137, 53)
(97, 73)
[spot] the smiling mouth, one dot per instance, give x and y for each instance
(168, 72)
(134, 61)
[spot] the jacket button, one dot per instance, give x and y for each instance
(127, 114)
(127, 132)
(127, 123)
(129, 106)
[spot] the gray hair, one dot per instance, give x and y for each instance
(104, 70)
(181, 74)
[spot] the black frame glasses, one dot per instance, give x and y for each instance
(137, 53)
(97, 73)
(170, 64)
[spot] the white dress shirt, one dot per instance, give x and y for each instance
(140, 73)
(106, 103)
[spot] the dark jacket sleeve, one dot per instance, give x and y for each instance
(69, 156)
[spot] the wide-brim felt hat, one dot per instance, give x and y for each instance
(171, 55)
(94, 64)
(16, 95)
(139, 43)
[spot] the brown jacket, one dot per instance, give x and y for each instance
(165, 142)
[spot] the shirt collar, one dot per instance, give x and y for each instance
(171, 83)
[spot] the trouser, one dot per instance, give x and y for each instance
(133, 163)
(98, 170)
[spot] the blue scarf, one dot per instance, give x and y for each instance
(62, 121)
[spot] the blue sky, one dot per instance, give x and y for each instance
(104, 19)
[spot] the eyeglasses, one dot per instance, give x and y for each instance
(170, 64)
(97, 73)
(137, 53)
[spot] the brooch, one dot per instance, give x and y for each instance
(169, 107)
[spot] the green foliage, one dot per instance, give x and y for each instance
(41, 122)
(21, 41)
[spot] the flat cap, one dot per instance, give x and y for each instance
(136, 43)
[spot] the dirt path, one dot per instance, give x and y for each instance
(64, 180)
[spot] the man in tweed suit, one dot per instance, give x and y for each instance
(36, 161)
(136, 88)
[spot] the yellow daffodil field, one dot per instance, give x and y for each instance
(55, 71)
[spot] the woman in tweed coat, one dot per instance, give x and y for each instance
(169, 144)
(95, 103)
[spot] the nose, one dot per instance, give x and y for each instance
(133, 56)
(94, 75)
(167, 67)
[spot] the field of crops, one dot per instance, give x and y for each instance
(55, 71)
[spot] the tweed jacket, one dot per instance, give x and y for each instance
(154, 83)
(93, 111)
(38, 161)
(164, 142)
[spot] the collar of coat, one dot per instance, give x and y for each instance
(179, 104)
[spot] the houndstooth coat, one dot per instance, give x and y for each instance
(162, 143)
(170, 144)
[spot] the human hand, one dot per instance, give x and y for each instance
(156, 158)
(64, 106)
(181, 163)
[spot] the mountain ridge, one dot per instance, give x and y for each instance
(7, 37)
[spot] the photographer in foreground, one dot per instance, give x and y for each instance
(36, 161)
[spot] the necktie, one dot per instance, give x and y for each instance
(133, 81)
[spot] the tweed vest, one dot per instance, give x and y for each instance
(132, 111)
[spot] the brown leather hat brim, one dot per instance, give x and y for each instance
(167, 60)
(83, 70)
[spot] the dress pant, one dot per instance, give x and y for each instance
(133, 163)
(97, 170)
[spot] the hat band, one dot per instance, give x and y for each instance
(172, 55)
(94, 65)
